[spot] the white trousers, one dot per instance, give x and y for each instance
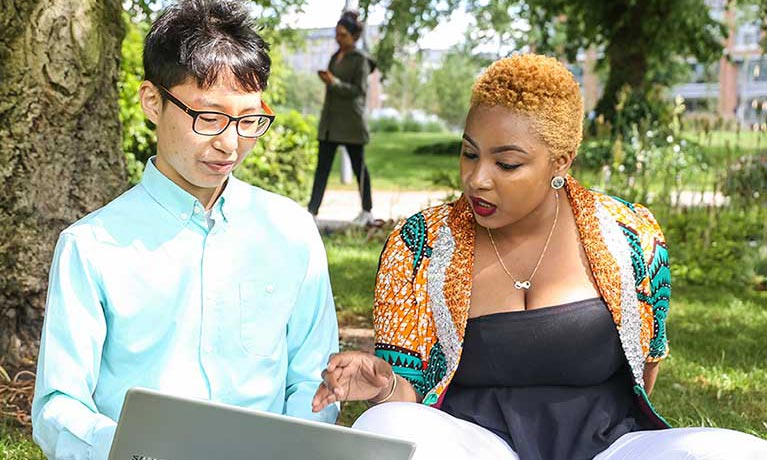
(440, 436)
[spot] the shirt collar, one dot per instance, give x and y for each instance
(178, 202)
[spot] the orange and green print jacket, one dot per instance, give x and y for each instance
(424, 281)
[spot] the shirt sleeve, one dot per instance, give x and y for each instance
(357, 86)
(659, 276)
(312, 336)
(66, 422)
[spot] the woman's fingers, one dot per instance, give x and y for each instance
(320, 396)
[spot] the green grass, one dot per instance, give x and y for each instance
(716, 374)
(394, 166)
(353, 262)
(17, 445)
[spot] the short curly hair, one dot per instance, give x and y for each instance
(542, 88)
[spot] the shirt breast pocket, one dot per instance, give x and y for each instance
(265, 308)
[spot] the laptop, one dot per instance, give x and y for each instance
(157, 426)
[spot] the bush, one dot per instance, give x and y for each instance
(451, 148)
(407, 124)
(385, 125)
(709, 246)
(283, 161)
(139, 140)
(746, 181)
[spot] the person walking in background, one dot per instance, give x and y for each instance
(343, 114)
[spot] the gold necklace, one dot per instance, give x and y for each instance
(526, 284)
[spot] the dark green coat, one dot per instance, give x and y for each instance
(343, 118)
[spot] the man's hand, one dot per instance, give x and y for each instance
(353, 376)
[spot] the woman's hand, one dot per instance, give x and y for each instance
(353, 376)
(326, 76)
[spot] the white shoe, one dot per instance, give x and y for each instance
(363, 218)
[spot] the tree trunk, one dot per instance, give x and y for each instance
(627, 59)
(60, 148)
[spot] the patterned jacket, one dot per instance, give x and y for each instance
(424, 282)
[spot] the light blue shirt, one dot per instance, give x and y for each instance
(143, 293)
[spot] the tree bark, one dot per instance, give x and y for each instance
(627, 58)
(60, 148)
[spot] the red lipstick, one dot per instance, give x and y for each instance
(482, 207)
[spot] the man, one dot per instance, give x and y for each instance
(192, 282)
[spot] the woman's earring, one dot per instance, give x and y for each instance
(557, 182)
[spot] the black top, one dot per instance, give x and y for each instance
(552, 382)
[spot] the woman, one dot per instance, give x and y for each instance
(528, 317)
(343, 114)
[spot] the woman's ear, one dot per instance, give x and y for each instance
(151, 101)
(561, 163)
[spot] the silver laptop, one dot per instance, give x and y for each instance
(156, 426)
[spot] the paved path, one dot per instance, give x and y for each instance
(339, 207)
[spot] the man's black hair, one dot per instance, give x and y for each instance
(200, 39)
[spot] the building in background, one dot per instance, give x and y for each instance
(736, 86)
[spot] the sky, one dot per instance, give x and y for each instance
(325, 13)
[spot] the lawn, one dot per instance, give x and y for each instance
(716, 374)
(17, 445)
(394, 166)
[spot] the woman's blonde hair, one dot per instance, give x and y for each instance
(542, 88)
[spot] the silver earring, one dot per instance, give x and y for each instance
(557, 182)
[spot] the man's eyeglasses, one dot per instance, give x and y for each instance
(209, 123)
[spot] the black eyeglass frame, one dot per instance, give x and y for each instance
(197, 113)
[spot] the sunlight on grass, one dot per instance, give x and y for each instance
(17, 445)
(394, 166)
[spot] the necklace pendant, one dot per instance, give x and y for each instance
(522, 285)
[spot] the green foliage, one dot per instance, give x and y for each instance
(642, 41)
(407, 125)
(712, 247)
(450, 147)
(385, 125)
(138, 136)
(646, 43)
(283, 161)
(746, 181)
(444, 91)
(405, 82)
(405, 23)
(450, 86)
(304, 92)
(654, 162)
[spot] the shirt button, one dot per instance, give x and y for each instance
(197, 209)
(269, 289)
(184, 216)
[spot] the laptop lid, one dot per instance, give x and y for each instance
(157, 426)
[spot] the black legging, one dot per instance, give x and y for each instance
(325, 162)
